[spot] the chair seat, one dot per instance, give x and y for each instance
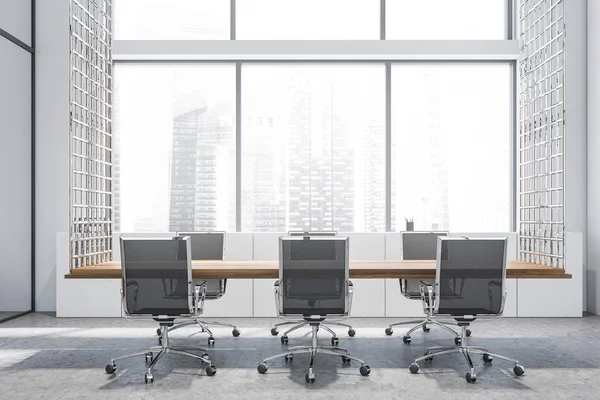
(214, 287)
(169, 312)
(413, 288)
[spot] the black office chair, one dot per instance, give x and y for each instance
(313, 283)
(206, 246)
(302, 323)
(481, 265)
(420, 246)
(148, 264)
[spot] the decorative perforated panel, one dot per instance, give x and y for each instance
(541, 132)
(91, 99)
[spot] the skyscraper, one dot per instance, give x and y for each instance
(201, 160)
(263, 182)
(374, 176)
(321, 160)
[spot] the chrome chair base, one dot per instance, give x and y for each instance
(153, 354)
(302, 323)
(466, 351)
(313, 350)
(203, 327)
(425, 326)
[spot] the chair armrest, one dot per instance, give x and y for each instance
(499, 284)
(427, 297)
(199, 297)
(350, 295)
(277, 294)
(402, 283)
(123, 299)
(224, 286)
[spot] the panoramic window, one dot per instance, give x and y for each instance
(174, 151)
(450, 146)
(171, 19)
(446, 19)
(307, 19)
(313, 147)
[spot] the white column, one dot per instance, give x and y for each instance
(575, 154)
(593, 160)
(52, 142)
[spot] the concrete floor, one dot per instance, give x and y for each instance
(6, 314)
(49, 358)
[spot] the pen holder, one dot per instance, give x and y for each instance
(410, 226)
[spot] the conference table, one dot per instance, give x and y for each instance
(253, 269)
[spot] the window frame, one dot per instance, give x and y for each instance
(382, 51)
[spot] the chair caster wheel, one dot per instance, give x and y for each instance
(262, 368)
(158, 332)
(406, 339)
(284, 340)
(235, 332)
(364, 370)
(426, 329)
(149, 357)
(487, 359)
(160, 340)
(468, 333)
(274, 331)
(413, 368)
(470, 377)
(110, 368)
(335, 341)
(519, 370)
(457, 341)
(389, 331)
(346, 360)
(351, 332)
(289, 357)
(211, 341)
(309, 377)
(211, 370)
(148, 378)
(428, 359)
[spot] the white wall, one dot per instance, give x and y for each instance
(15, 174)
(593, 159)
(52, 143)
(575, 142)
(555, 297)
(15, 18)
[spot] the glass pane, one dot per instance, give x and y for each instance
(307, 19)
(174, 156)
(171, 19)
(450, 146)
(313, 147)
(15, 179)
(446, 19)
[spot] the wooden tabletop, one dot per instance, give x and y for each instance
(358, 270)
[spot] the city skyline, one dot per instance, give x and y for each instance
(313, 152)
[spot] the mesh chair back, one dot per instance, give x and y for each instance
(313, 274)
(208, 246)
(312, 233)
(418, 246)
(157, 276)
(470, 276)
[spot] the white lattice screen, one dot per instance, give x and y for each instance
(91, 99)
(541, 132)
